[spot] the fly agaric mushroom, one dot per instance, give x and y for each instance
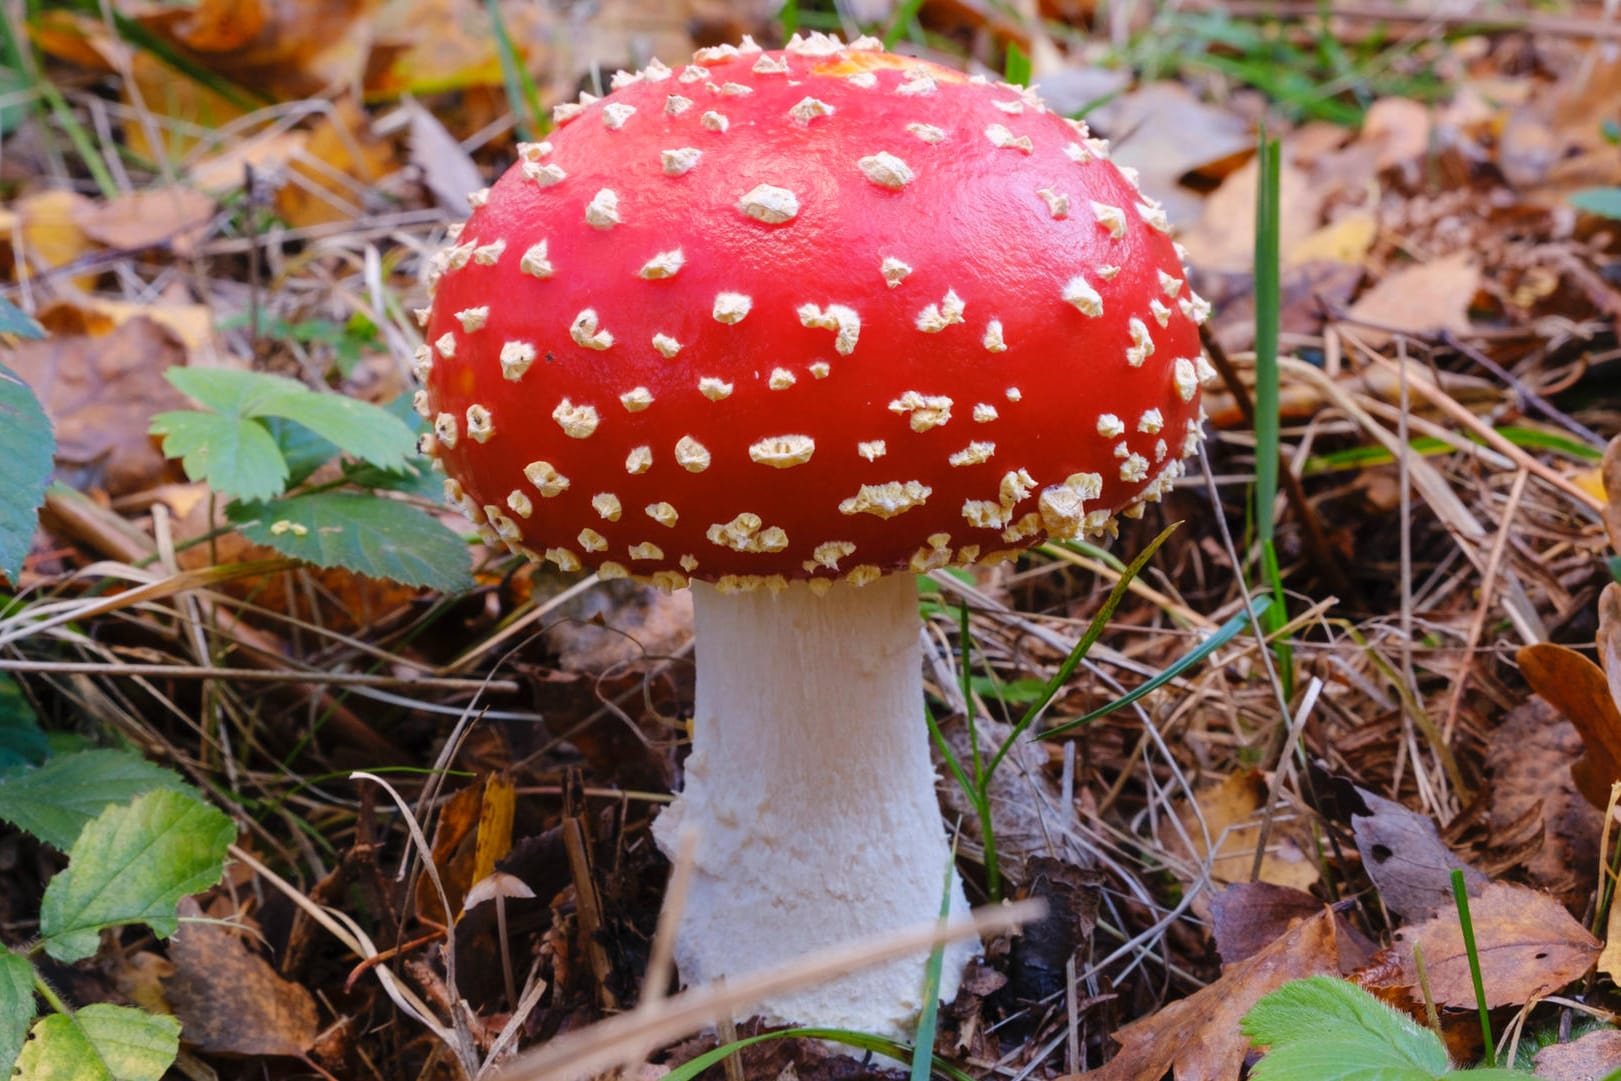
(793, 327)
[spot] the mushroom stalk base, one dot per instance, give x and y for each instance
(812, 790)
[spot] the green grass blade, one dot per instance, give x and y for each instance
(1016, 68)
(1268, 292)
(1224, 634)
(1460, 896)
(1267, 303)
(903, 20)
(922, 1056)
(522, 97)
(1094, 631)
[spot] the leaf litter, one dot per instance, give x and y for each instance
(273, 175)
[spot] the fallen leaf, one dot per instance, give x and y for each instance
(47, 224)
(1578, 688)
(447, 170)
(1529, 757)
(1231, 813)
(1247, 917)
(1164, 131)
(173, 215)
(230, 999)
(1418, 300)
(1344, 240)
(1399, 130)
(455, 852)
(1404, 855)
(1590, 1058)
(1609, 958)
(1612, 491)
(330, 179)
(1223, 240)
(101, 391)
(1041, 952)
(1198, 1037)
(1527, 944)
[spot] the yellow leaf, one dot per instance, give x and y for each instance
(1344, 241)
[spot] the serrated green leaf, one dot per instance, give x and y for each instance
(26, 447)
(13, 320)
(302, 450)
(1334, 1056)
(368, 534)
(229, 392)
(235, 457)
(56, 801)
(1303, 1017)
(133, 864)
(16, 1006)
(100, 1043)
(1498, 1075)
(358, 428)
(22, 742)
(1604, 201)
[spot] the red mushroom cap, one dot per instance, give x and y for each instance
(813, 313)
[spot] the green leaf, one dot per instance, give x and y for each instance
(16, 1006)
(1602, 201)
(230, 391)
(133, 864)
(13, 320)
(26, 446)
(1500, 1074)
(22, 743)
(302, 450)
(56, 801)
(100, 1043)
(365, 533)
(359, 428)
(366, 431)
(1324, 1029)
(235, 457)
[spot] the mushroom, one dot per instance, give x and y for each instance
(794, 327)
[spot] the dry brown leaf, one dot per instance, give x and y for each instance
(1399, 130)
(333, 174)
(1590, 1058)
(455, 852)
(101, 391)
(1612, 491)
(44, 234)
(1404, 855)
(1529, 756)
(172, 215)
(1231, 812)
(1199, 1036)
(1345, 240)
(1528, 947)
(1223, 241)
(285, 49)
(1164, 131)
(1609, 958)
(1418, 300)
(447, 170)
(230, 999)
(1578, 688)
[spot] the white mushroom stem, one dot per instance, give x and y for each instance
(811, 787)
